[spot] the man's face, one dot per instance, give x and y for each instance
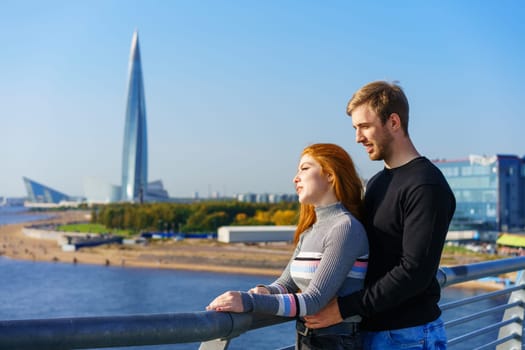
(370, 131)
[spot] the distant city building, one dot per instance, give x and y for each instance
(38, 193)
(12, 201)
(262, 198)
(281, 197)
(266, 197)
(134, 180)
(247, 197)
(156, 192)
(490, 192)
(99, 192)
(135, 152)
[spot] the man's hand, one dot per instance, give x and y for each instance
(259, 290)
(328, 316)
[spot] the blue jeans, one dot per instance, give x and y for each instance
(430, 336)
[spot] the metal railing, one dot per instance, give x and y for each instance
(215, 330)
(503, 330)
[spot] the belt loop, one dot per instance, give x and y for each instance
(304, 332)
(302, 329)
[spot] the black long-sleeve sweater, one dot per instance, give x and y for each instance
(408, 210)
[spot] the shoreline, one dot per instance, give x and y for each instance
(189, 254)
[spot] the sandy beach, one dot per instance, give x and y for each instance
(189, 254)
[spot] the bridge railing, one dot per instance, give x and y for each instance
(502, 329)
(215, 330)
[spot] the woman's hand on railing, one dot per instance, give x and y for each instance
(230, 301)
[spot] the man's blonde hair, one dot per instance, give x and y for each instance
(384, 98)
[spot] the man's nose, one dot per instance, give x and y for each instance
(359, 136)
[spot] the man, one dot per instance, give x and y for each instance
(408, 208)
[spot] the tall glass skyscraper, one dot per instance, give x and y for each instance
(134, 186)
(135, 153)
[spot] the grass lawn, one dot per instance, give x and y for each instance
(92, 228)
(453, 255)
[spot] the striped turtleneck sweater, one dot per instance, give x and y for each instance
(330, 260)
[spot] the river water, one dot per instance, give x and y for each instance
(13, 215)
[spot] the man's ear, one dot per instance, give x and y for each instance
(394, 121)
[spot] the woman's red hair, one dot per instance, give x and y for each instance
(347, 185)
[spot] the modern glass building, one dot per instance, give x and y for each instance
(490, 192)
(134, 181)
(135, 152)
(38, 193)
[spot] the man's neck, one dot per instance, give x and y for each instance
(402, 153)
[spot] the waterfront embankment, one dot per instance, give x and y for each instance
(188, 254)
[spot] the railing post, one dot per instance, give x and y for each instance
(514, 328)
(217, 344)
(242, 322)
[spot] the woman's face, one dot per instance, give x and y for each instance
(312, 186)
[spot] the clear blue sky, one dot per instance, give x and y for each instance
(236, 89)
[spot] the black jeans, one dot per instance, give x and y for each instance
(329, 342)
(342, 336)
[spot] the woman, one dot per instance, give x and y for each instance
(331, 252)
